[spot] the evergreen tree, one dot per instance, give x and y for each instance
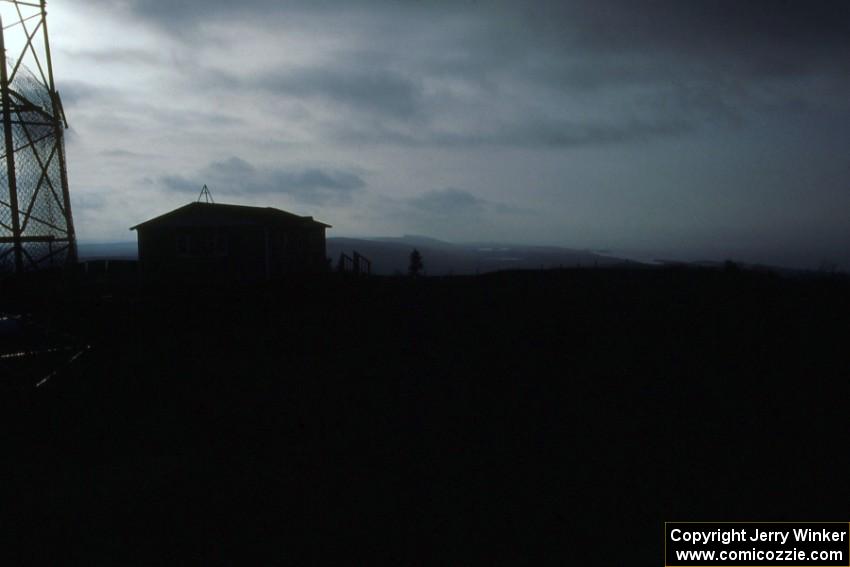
(415, 267)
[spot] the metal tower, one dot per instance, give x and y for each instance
(36, 227)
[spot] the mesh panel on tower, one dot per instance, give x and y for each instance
(44, 234)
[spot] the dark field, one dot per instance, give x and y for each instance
(522, 418)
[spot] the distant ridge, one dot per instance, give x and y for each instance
(389, 255)
(107, 251)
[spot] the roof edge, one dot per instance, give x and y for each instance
(196, 204)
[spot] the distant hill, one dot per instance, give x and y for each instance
(390, 255)
(107, 250)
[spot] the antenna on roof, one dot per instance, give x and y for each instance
(206, 195)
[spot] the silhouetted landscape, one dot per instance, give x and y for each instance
(506, 417)
(389, 256)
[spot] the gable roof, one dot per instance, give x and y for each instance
(216, 214)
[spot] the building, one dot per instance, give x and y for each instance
(230, 242)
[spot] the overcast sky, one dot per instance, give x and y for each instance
(691, 129)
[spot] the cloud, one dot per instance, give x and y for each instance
(502, 32)
(449, 212)
(117, 56)
(74, 93)
(699, 25)
(817, 18)
(447, 202)
(454, 203)
(552, 74)
(121, 153)
(236, 177)
(173, 15)
(88, 201)
(535, 132)
(359, 88)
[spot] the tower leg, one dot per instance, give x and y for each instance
(60, 143)
(9, 141)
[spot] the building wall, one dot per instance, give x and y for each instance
(297, 251)
(231, 253)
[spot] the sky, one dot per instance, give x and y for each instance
(679, 129)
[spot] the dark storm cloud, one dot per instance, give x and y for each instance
(738, 18)
(535, 134)
(653, 69)
(384, 106)
(713, 26)
(235, 176)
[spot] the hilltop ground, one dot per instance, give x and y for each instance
(523, 418)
